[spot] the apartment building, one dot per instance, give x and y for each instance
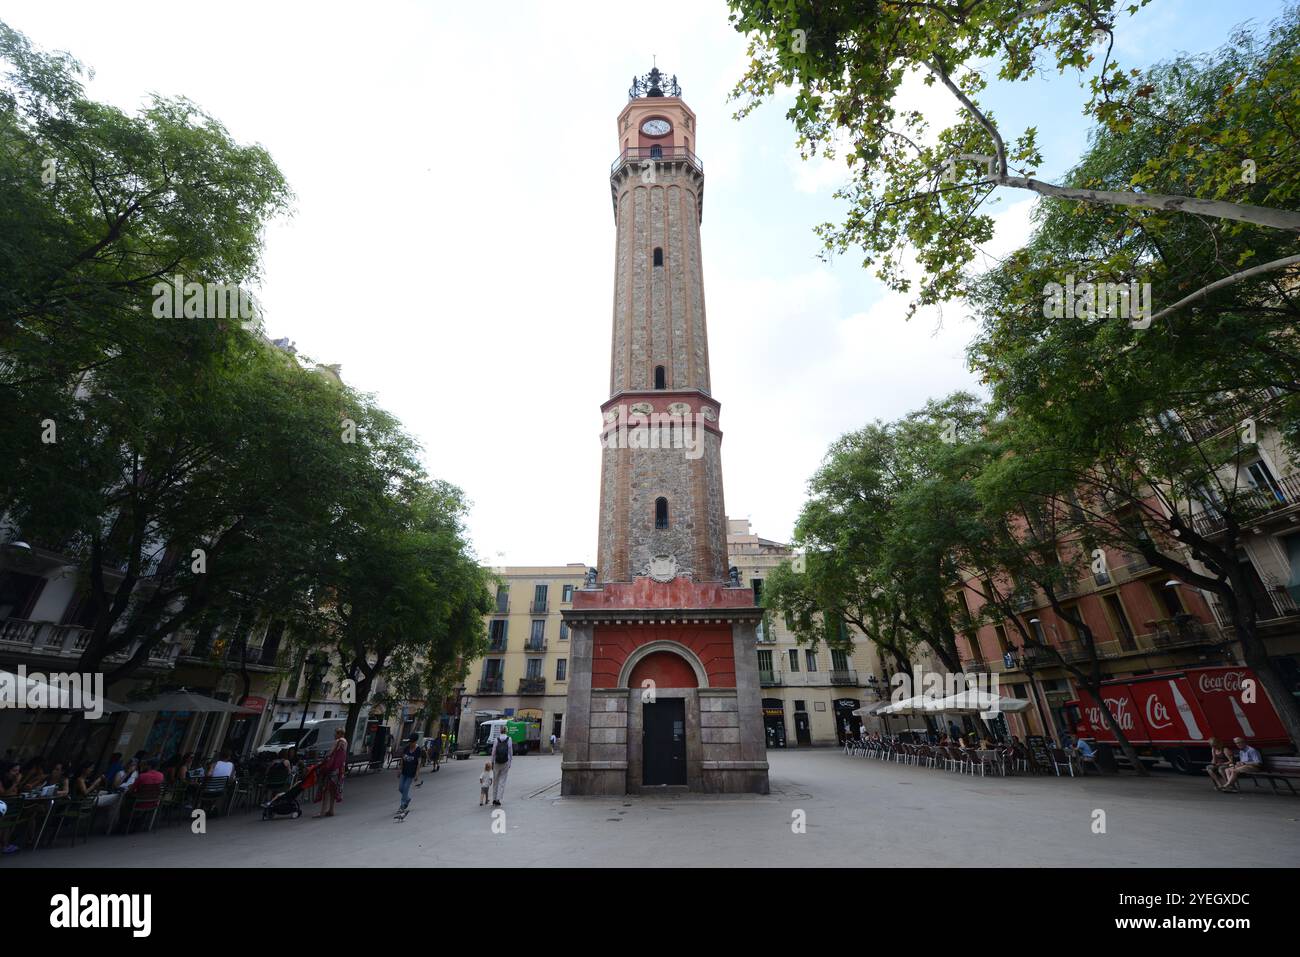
(1143, 620)
(525, 670)
(809, 694)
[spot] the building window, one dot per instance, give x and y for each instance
(538, 633)
(810, 659)
(564, 631)
(497, 634)
(794, 659)
(661, 513)
(839, 660)
(659, 256)
(503, 599)
(567, 594)
(1170, 599)
(656, 152)
(757, 585)
(534, 667)
(765, 661)
(1001, 633)
(561, 669)
(1119, 621)
(800, 705)
(660, 381)
(557, 724)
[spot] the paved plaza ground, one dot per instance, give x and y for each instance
(859, 813)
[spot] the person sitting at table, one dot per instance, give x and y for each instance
(114, 766)
(1220, 759)
(57, 780)
(223, 767)
(83, 785)
(987, 744)
(10, 781)
(126, 777)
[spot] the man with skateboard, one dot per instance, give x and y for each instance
(410, 769)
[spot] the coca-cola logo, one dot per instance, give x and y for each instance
(1157, 713)
(1118, 708)
(1227, 681)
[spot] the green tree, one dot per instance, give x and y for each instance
(913, 190)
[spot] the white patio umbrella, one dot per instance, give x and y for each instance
(980, 702)
(917, 704)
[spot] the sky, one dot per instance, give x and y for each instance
(451, 244)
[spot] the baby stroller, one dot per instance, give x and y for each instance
(285, 804)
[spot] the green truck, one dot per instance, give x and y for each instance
(526, 733)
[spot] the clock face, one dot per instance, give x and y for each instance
(656, 127)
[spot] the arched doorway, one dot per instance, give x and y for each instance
(663, 716)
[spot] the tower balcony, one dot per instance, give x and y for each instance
(667, 154)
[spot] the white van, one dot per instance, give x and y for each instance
(312, 738)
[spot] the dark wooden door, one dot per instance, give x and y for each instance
(663, 758)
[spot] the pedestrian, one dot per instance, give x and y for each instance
(435, 751)
(503, 753)
(451, 745)
(1248, 759)
(410, 769)
(332, 770)
(484, 783)
(554, 742)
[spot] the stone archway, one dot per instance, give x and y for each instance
(653, 648)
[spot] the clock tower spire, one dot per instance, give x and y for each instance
(661, 611)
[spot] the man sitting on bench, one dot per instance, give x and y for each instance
(1248, 759)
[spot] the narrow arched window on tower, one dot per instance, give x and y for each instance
(659, 256)
(660, 381)
(661, 513)
(656, 152)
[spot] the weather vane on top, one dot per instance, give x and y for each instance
(654, 83)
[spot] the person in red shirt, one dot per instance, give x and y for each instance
(150, 775)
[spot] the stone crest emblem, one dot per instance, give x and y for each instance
(662, 568)
(680, 408)
(642, 408)
(710, 413)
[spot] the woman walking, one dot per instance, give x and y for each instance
(332, 769)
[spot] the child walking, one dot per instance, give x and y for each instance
(484, 784)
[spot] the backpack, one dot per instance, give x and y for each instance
(502, 753)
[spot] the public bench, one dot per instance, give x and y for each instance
(1275, 769)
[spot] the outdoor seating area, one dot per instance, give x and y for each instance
(48, 815)
(1003, 759)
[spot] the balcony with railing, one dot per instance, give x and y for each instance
(44, 637)
(535, 644)
(638, 155)
(538, 607)
(532, 686)
(496, 646)
(1251, 505)
(769, 679)
(844, 678)
(1229, 415)
(494, 685)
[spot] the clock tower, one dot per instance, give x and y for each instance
(663, 679)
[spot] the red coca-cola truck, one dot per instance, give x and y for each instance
(1173, 715)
